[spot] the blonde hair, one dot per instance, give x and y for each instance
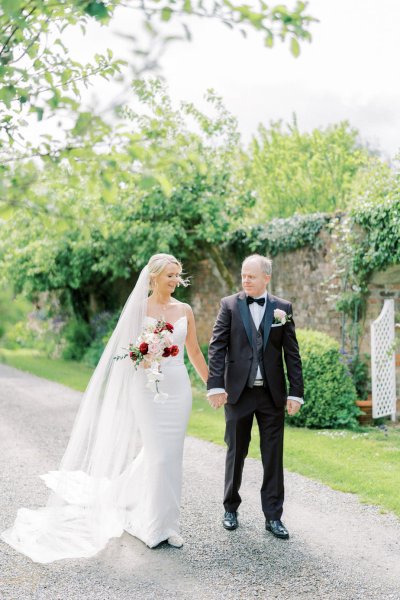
(157, 264)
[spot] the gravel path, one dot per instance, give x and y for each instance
(339, 549)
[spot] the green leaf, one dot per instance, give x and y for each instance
(97, 10)
(166, 13)
(269, 40)
(11, 7)
(165, 184)
(39, 113)
(294, 47)
(66, 75)
(7, 94)
(146, 182)
(33, 51)
(54, 100)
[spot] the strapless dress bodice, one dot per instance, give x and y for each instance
(179, 337)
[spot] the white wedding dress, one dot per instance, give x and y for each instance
(153, 485)
(86, 510)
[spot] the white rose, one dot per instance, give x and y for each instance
(280, 315)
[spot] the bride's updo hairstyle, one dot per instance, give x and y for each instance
(157, 264)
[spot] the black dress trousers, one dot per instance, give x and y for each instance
(239, 419)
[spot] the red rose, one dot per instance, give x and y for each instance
(174, 350)
(169, 327)
(144, 348)
(132, 355)
(167, 352)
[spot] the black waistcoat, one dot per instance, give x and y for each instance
(258, 351)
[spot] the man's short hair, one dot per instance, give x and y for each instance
(265, 263)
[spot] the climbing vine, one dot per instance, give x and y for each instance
(279, 235)
(367, 239)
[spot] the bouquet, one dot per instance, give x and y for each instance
(152, 345)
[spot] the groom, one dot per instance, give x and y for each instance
(246, 374)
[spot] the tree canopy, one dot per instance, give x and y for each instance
(152, 185)
(303, 172)
(39, 77)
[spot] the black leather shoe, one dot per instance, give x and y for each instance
(277, 528)
(230, 521)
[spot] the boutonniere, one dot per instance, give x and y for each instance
(280, 317)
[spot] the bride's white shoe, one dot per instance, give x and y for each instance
(176, 541)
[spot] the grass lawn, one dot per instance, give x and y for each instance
(70, 373)
(366, 462)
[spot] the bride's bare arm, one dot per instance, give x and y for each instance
(192, 346)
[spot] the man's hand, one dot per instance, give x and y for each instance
(217, 400)
(292, 406)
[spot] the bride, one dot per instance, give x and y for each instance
(122, 469)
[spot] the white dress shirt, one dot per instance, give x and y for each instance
(257, 313)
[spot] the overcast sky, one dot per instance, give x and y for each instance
(349, 71)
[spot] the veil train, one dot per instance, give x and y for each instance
(87, 503)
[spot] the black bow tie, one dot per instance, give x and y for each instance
(260, 301)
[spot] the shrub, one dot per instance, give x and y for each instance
(330, 395)
(36, 332)
(77, 335)
(13, 309)
(20, 335)
(358, 368)
(102, 326)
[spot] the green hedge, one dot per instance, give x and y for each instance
(330, 395)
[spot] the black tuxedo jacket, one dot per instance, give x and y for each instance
(230, 352)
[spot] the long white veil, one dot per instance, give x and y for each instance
(87, 504)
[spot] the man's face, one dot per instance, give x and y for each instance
(254, 280)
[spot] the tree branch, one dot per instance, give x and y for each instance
(5, 45)
(217, 259)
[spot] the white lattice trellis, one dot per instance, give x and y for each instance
(383, 366)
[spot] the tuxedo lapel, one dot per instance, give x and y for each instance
(245, 314)
(268, 318)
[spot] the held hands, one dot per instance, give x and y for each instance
(217, 400)
(293, 407)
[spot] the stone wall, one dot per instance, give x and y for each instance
(304, 277)
(301, 276)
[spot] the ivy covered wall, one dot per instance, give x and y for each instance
(307, 277)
